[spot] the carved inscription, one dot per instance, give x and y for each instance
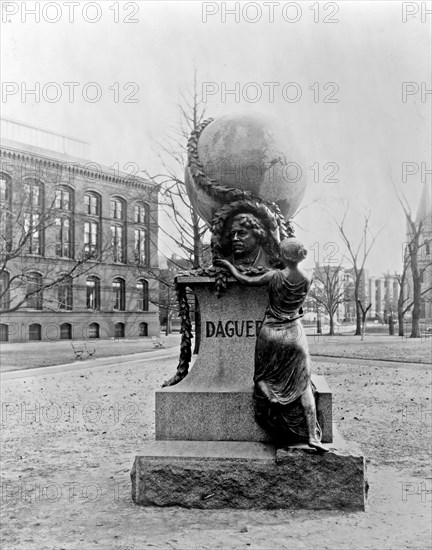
(230, 329)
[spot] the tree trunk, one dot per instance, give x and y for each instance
(197, 327)
(331, 328)
(168, 322)
(415, 329)
(391, 325)
(401, 322)
(400, 312)
(198, 253)
(358, 314)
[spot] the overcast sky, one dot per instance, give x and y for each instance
(355, 56)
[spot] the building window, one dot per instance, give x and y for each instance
(32, 209)
(63, 222)
(63, 199)
(142, 213)
(34, 291)
(65, 331)
(143, 295)
(141, 246)
(4, 290)
(119, 294)
(141, 233)
(117, 243)
(92, 204)
(119, 330)
(65, 294)
(427, 248)
(117, 209)
(33, 194)
(4, 333)
(118, 232)
(4, 188)
(92, 293)
(64, 237)
(35, 332)
(143, 329)
(32, 232)
(93, 330)
(91, 238)
(5, 213)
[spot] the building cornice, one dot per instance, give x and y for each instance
(76, 168)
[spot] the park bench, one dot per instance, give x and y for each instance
(158, 342)
(79, 348)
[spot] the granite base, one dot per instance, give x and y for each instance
(247, 475)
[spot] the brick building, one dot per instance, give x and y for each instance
(99, 218)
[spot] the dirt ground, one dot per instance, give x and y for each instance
(69, 441)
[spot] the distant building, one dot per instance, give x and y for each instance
(384, 294)
(424, 214)
(98, 210)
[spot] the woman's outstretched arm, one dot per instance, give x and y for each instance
(253, 280)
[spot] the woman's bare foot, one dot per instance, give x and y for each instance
(316, 444)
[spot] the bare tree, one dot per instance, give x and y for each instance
(417, 261)
(188, 229)
(364, 311)
(357, 255)
(328, 289)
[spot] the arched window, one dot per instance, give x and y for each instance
(32, 210)
(65, 331)
(93, 209)
(63, 221)
(143, 329)
(5, 188)
(65, 294)
(35, 332)
(92, 204)
(92, 292)
(93, 330)
(143, 295)
(34, 291)
(118, 229)
(4, 332)
(119, 330)
(5, 213)
(141, 246)
(4, 290)
(117, 209)
(142, 213)
(117, 243)
(141, 232)
(119, 294)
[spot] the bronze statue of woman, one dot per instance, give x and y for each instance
(285, 403)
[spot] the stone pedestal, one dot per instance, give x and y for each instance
(214, 402)
(209, 451)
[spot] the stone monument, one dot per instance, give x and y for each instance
(246, 425)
